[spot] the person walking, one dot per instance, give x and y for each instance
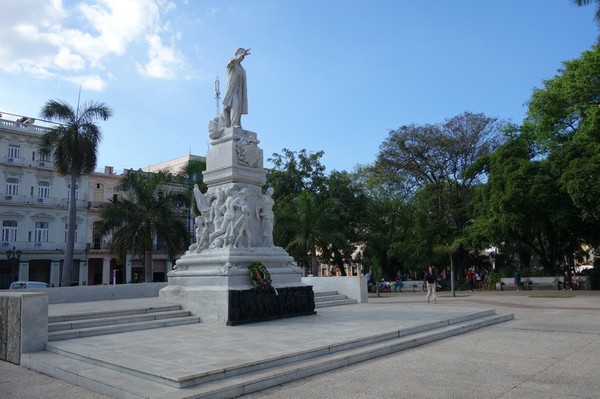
(517, 277)
(568, 281)
(470, 279)
(431, 281)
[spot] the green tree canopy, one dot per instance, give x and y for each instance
(147, 216)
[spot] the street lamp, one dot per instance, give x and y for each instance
(13, 255)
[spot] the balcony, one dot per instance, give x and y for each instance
(97, 204)
(41, 246)
(13, 160)
(45, 164)
(12, 198)
(78, 203)
(50, 201)
(27, 127)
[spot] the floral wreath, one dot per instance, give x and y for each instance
(260, 276)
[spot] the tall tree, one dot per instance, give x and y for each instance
(314, 228)
(292, 173)
(522, 206)
(435, 160)
(387, 221)
(352, 213)
(145, 217)
(74, 148)
(564, 119)
(582, 3)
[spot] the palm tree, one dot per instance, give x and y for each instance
(74, 148)
(582, 3)
(314, 229)
(192, 173)
(147, 213)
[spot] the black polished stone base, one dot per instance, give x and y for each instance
(256, 305)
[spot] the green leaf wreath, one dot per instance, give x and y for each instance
(260, 276)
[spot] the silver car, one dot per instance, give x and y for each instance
(20, 285)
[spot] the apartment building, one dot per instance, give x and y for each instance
(34, 207)
(34, 215)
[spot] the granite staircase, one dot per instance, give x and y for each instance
(89, 324)
(331, 298)
(77, 361)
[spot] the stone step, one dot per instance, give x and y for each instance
(120, 382)
(119, 328)
(325, 293)
(107, 321)
(101, 314)
(331, 298)
(337, 302)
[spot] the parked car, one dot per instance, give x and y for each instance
(20, 285)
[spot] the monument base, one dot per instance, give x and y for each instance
(251, 306)
(216, 286)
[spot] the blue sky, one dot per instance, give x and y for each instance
(323, 75)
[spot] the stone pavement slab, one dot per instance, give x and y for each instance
(549, 350)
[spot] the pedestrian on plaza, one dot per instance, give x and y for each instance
(478, 280)
(517, 277)
(470, 279)
(431, 282)
(567, 281)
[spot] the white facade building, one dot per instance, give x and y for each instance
(34, 214)
(34, 208)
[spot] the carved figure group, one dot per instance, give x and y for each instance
(226, 218)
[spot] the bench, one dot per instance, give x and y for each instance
(543, 283)
(529, 283)
(408, 286)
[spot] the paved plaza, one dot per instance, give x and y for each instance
(550, 350)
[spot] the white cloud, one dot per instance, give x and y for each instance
(65, 59)
(163, 61)
(48, 38)
(118, 23)
(89, 82)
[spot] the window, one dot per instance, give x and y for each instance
(41, 231)
(44, 189)
(76, 191)
(45, 158)
(12, 186)
(67, 232)
(14, 151)
(9, 231)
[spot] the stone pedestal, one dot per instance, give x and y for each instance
(212, 279)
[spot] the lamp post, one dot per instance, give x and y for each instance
(13, 255)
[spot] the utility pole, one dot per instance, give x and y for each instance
(217, 93)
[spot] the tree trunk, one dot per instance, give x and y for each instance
(314, 263)
(452, 278)
(67, 271)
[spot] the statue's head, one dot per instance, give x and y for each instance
(240, 51)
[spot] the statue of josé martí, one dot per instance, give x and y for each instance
(235, 102)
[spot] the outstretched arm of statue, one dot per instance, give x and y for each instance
(201, 201)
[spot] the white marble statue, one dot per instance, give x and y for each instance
(202, 232)
(241, 228)
(201, 200)
(235, 102)
(202, 225)
(225, 228)
(264, 211)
